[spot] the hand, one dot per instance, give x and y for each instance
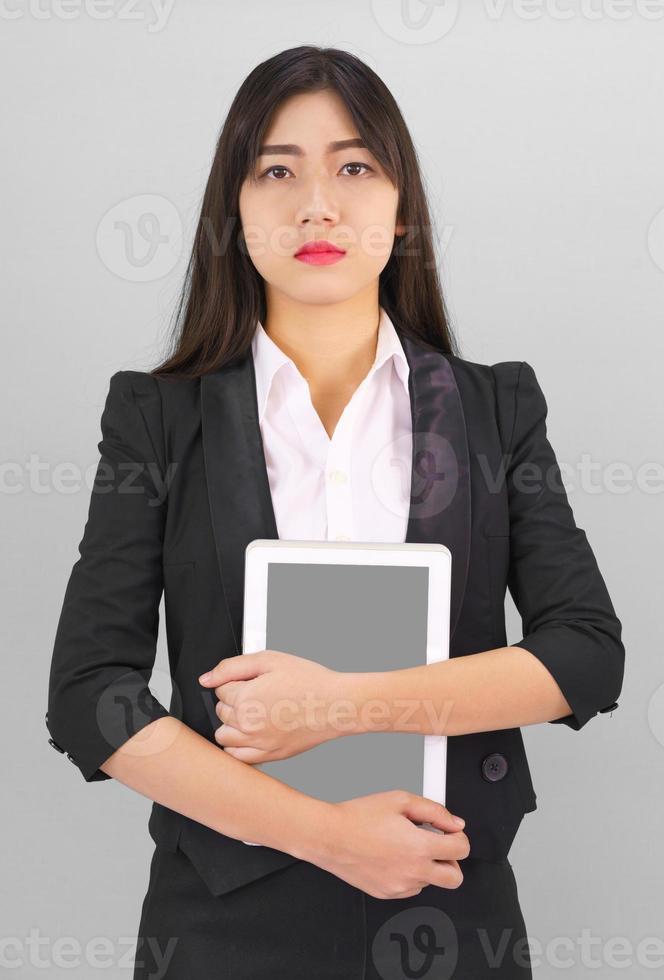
(373, 842)
(273, 705)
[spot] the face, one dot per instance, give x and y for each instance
(318, 192)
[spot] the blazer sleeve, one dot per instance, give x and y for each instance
(105, 643)
(568, 619)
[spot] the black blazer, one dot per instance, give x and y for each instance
(182, 488)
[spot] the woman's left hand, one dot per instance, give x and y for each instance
(273, 705)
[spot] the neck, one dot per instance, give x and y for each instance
(332, 345)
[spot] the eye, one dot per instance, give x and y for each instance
(366, 166)
(276, 167)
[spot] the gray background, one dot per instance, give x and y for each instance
(539, 131)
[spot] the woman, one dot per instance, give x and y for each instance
(290, 372)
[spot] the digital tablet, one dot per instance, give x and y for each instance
(355, 607)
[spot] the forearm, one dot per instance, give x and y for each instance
(170, 763)
(503, 688)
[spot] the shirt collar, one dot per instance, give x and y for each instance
(269, 358)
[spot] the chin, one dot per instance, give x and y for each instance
(320, 295)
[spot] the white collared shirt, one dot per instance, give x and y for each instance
(356, 485)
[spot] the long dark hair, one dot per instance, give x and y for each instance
(223, 294)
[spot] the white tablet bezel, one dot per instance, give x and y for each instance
(436, 557)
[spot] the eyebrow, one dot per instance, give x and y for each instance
(291, 149)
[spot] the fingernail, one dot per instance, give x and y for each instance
(459, 821)
(204, 677)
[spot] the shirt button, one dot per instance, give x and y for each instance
(337, 476)
(342, 537)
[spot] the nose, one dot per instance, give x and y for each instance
(318, 204)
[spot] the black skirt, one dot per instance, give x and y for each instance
(304, 923)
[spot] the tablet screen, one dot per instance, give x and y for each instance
(360, 617)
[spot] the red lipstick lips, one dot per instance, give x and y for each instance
(319, 253)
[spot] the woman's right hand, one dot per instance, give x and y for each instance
(373, 843)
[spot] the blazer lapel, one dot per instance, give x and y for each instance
(440, 481)
(237, 481)
(239, 489)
